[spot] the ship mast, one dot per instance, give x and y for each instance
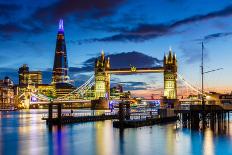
(202, 76)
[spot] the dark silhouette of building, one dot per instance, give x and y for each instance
(60, 76)
(60, 67)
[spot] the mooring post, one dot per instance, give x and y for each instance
(50, 111)
(59, 106)
(228, 119)
(121, 112)
(195, 119)
(127, 111)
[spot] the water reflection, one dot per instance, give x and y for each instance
(104, 138)
(208, 142)
(25, 133)
(121, 141)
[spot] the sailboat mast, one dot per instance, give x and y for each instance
(202, 73)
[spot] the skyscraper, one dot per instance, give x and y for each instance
(60, 67)
(60, 76)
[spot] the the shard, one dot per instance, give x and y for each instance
(60, 67)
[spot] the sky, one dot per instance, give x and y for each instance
(137, 32)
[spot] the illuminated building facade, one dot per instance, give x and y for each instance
(102, 78)
(47, 90)
(7, 100)
(23, 93)
(116, 92)
(170, 76)
(30, 81)
(63, 89)
(60, 67)
(27, 77)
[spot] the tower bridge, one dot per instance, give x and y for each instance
(103, 71)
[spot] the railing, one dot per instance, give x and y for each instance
(187, 106)
(138, 115)
(80, 114)
(183, 107)
(226, 106)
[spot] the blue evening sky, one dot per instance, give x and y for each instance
(28, 34)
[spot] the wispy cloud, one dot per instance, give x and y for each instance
(214, 36)
(131, 85)
(47, 15)
(193, 54)
(143, 32)
(7, 10)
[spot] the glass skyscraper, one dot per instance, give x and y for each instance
(60, 67)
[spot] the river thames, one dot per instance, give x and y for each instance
(24, 133)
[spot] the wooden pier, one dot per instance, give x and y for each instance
(78, 119)
(143, 122)
(59, 118)
(198, 116)
(125, 121)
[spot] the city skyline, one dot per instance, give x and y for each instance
(115, 77)
(121, 31)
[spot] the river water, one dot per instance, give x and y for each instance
(24, 133)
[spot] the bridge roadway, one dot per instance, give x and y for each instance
(134, 70)
(85, 101)
(61, 102)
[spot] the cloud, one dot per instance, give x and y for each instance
(121, 60)
(11, 22)
(47, 15)
(193, 54)
(131, 85)
(11, 28)
(143, 32)
(125, 59)
(7, 10)
(214, 36)
(79, 9)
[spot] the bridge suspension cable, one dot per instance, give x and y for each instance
(84, 89)
(81, 89)
(198, 90)
(41, 96)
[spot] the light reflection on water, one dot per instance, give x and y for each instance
(25, 133)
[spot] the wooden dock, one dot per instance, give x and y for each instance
(193, 116)
(78, 119)
(56, 117)
(143, 122)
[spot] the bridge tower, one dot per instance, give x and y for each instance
(102, 78)
(170, 76)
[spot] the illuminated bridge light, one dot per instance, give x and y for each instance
(33, 99)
